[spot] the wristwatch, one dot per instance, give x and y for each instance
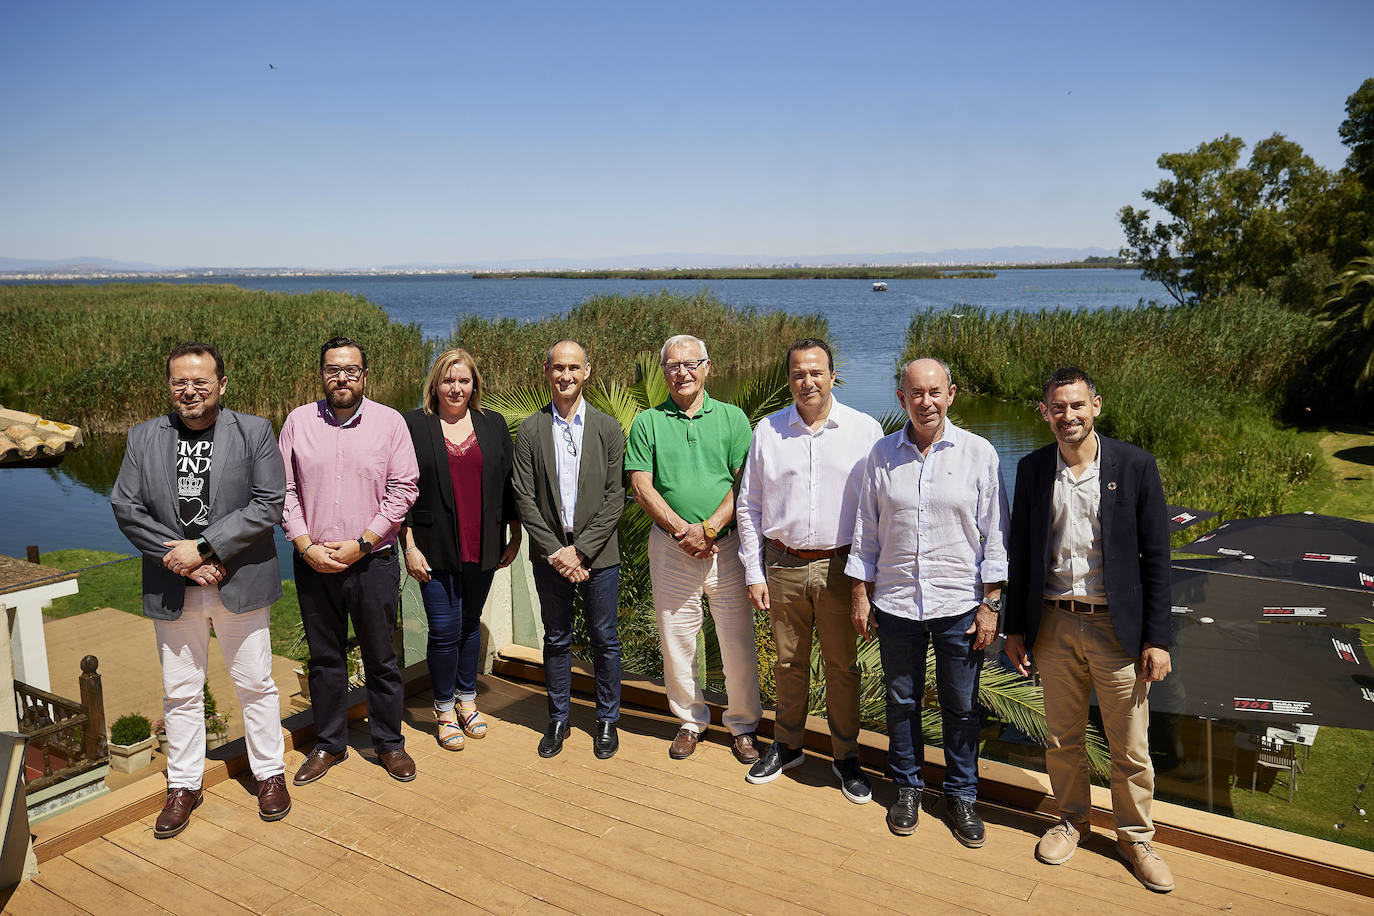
(365, 546)
(995, 604)
(203, 546)
(709, 531)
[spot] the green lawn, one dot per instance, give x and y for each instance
(118, 585)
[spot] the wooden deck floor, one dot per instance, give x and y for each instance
(496, 828)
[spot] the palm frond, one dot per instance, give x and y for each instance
(892, 421)
(617, 400)
(763, 392)
(515, 404)
(649, 378)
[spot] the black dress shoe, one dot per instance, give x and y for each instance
(552, 742)
(964, 821)
(605, 742)
(905, 811)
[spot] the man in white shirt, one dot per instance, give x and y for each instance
(930, 554)
(796, 517)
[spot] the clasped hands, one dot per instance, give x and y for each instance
(694, 542)
(184, 559)
(568, 564)
(333, 556)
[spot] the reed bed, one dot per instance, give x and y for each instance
(95, 355)
(1204, 387)
(616, 328)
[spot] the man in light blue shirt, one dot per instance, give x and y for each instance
(928, 562)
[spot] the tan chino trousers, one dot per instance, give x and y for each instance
(807, 594)
(1075, 654)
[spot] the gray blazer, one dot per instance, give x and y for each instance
(247, 490)
(600, 488)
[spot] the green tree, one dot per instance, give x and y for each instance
(1229, 226)
(1349, 313)
(1357, 132)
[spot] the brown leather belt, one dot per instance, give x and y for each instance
(807, 554)
(1076, 607)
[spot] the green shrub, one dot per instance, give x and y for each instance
(130, 729)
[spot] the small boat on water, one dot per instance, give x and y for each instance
(880, 287)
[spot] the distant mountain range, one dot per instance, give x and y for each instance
(1011, 254)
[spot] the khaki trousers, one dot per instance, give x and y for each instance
(1075, 654)
(807, 594)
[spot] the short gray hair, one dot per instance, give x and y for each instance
(548, 354)
(949, 376)
(677, 340)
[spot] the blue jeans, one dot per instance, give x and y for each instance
(599, 600)
(453, 604)
(902, 644)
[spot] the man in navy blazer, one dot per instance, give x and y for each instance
(198, 495)
(1088, 589)
(569, 485)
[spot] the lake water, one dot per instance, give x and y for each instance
(68, 506)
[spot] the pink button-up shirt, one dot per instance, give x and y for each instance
(344, 478)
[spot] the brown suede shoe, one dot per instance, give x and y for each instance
(683, 744)
(317, 764)
(744, 749)
(273, 799)
(398, 764)
(176, 813)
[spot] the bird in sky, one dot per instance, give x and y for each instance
(271, 66)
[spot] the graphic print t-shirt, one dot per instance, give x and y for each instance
(195, 448)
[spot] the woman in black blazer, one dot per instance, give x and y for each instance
(453, 537)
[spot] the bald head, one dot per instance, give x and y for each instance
(925, 365)
(925, 393)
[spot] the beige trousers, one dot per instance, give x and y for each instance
(1076, 654)
(806, 595)
(679, 581)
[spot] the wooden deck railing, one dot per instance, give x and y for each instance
(66, 737)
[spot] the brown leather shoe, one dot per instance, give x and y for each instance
(273, 799)
(176, 813)
(317, 764)
(683, 744)
(398, 764)
(744, 749)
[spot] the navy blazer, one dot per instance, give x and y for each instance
(247, 489)
(1135, 544)
(433, 519)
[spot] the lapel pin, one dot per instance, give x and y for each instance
(1112, 485)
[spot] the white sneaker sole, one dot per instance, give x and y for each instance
(787, 765)
(856, 799)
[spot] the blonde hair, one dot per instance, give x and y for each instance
(439, 370)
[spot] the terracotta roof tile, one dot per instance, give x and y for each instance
(26, 436)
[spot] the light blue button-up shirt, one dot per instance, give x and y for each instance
(930, 530)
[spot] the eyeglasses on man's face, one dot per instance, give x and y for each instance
(688, 365)
(352, 373)
(199, 384)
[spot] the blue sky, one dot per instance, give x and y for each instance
(461, 133)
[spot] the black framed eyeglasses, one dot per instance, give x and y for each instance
(568, 440)
(691, 365)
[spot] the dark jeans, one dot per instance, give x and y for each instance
(453, 604)
(902, 644)
(599, 602)
(368, 592)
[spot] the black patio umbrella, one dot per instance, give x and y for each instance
(1271, 672)
(1181, 517)
(1281, 567)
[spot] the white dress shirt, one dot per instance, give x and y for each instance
(1076, 534)
(568, 461)
(802, 487)
(930, 530)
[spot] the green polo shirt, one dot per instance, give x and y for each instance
(693, 459)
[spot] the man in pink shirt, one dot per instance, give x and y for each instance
(350, 478)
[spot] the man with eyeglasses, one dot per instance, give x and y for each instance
(684, 458)
(570, 491)
(351, 476)
(198, 494)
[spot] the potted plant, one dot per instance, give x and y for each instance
(303, 677)
(216, 723)
(160, 733)
(131, 743)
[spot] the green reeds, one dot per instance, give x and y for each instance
(1201, 386)
(96, 355)
(617, 328)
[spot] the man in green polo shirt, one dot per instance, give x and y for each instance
(684, 459)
